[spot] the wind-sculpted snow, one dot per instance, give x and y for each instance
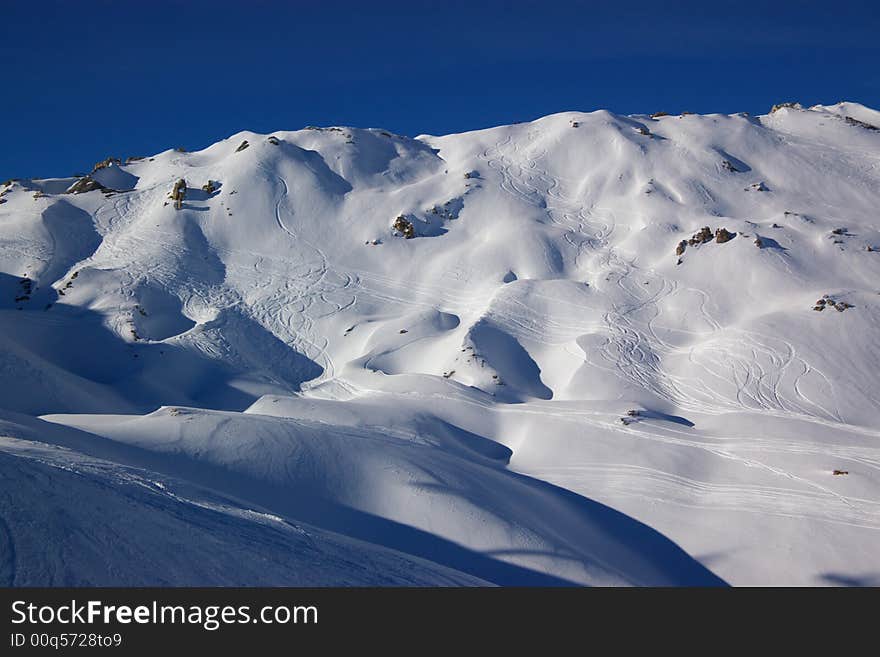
(559, 377)
(71, 520)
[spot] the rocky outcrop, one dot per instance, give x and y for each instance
(87, 184)
(242, 146)
(859, 124)
(701, 236)
(103, 164)
(178, 193)
(828, 302)
(780, 106)
(405, 227)
(723, 235)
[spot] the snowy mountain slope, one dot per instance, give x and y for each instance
(73, 520)
(433, 480)
(557, 278)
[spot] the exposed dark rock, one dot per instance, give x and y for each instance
(242, 146)
(656, 115)
(828, 302)
(728, 166)
(701, 236)
(86, 184)
(679, 250)
(405, 227)
(103, 164)
(723, 235)
(860, 124)
(178, 193)
(779, 106)
(272, 139)
(209, 187)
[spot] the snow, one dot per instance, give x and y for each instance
(458, 400)
(130, 526)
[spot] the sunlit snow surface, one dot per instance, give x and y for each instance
(270, 385)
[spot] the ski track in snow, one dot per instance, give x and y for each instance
(633, 347)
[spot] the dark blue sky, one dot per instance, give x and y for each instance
(84, 80)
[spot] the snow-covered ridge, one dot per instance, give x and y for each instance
(516, 353)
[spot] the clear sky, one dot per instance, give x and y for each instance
(84, 80)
